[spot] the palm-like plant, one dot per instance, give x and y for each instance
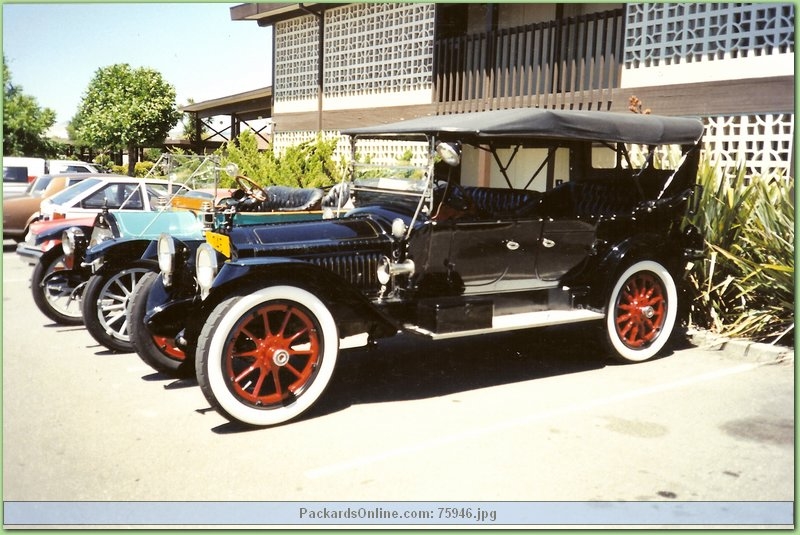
(745, 287)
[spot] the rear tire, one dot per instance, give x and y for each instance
(265, 357)
(642, 311)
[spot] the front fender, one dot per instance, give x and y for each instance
(117, 251)
(55, 232)
(73, 277)
(168, 311)
(353, 311)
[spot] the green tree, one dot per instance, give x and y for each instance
(126, 108)
(24, 122)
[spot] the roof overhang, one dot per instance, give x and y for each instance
(250, 105)
(269, 14)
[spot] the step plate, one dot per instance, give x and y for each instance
(511, 322)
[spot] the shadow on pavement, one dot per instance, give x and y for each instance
(409, 368)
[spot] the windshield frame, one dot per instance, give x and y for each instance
(423, 190)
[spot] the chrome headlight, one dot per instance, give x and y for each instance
(71, 239)
(205, 268)
(166, 258)
(101, 234)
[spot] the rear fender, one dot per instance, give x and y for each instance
(625, 253)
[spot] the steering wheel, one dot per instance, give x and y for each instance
(251, 188)
(457, 198)
(453, 201)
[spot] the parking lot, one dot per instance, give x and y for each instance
(531, 416)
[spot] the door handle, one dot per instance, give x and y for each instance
(512, 245)
(548, 243)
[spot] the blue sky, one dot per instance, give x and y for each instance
(54, 50)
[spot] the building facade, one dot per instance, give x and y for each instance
(343, 65)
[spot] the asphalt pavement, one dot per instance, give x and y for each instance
(535, 416)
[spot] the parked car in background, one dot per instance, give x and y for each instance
(602, 238)
(20, 211)
(71, 166)
(119, 192)
(20, 171)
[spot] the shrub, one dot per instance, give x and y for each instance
(142, 168)
(309, 164)
(745, 286)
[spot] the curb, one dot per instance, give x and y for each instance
(740, 348)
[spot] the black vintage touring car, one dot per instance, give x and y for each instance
(587, 224)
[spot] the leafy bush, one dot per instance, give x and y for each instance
(140, 169)
(745, 286)
(307, 165)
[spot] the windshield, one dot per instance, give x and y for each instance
(37, 187)
(396, 172)
(70, 192)
(193, 171)
(401, 178)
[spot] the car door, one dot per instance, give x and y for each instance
(566, 242)
(493, 255)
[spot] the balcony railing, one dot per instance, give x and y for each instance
(570, 63)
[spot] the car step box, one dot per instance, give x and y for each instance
(455, 315)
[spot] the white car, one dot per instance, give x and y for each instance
(115, 192)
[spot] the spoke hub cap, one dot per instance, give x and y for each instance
(280, 357)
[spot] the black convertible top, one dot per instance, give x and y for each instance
(535, 123)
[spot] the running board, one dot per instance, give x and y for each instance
(511, 322)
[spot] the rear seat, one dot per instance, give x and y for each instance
(591, 199)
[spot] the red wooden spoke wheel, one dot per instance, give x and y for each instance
(267, 355)
(272, 354)
(641, 309)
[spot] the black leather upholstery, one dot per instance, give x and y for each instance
(591, 199)
(287, 199)
(503, 201)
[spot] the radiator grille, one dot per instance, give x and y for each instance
(358, 269)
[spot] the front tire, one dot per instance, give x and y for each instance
(158, 352)
(60, 297)
(105, 305)
(265, 357)
(642, 311)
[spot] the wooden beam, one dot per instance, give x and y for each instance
(729, 97)
(342, 119)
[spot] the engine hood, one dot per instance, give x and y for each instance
(310, 238)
